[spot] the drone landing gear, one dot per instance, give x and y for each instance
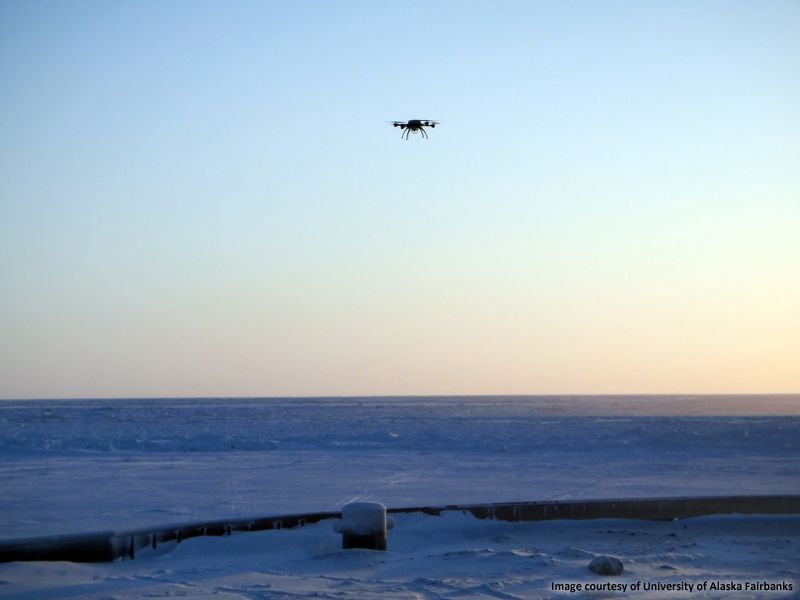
(409, 130)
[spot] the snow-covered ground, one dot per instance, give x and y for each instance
(72, 466)
(451, 556)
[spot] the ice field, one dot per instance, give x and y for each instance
(86, 465)
(72, 466)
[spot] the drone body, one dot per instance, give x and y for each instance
(415, 126)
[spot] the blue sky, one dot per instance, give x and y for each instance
(205, 198)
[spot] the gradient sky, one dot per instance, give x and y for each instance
(205, 198)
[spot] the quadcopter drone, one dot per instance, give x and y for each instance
(415, 126)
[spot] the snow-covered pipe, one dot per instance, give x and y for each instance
(364, 525)
(111, 545)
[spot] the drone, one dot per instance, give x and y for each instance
(414, 126)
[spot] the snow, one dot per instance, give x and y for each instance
(363, 517)
(88, 465)
(451, 556)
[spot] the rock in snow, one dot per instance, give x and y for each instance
(606, 565)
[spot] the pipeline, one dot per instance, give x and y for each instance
(107, 546)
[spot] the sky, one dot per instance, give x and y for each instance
(208, 199)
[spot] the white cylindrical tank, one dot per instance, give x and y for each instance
(364, 525)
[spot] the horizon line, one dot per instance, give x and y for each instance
(404, 396)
